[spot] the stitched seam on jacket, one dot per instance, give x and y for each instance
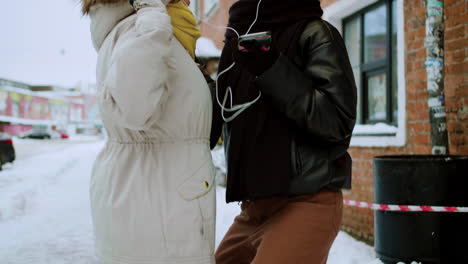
(161, 141)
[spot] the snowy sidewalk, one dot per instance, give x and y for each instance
(44, 207)
(45, 215)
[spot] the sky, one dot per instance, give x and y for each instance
(46, 42)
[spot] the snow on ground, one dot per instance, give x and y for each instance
(44, 206)
(347, 250)
(45, 215)
(218, 159)
(225, 214)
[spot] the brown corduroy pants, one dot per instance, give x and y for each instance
(295, 230)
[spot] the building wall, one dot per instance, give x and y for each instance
(456, 74)
(219, 18)
(326, 3)
(360, 222)
(21, 108)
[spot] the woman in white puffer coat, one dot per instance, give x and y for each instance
(152, 193)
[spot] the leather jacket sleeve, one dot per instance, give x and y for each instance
(321, 97)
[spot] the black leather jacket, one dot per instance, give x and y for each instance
(317, 92)
(323, 105)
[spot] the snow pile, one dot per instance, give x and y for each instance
(219, 162)
(347, 250)
(207, 49)
(82, 138)
(379, 128)
(225, 214)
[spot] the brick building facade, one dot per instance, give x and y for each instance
(385, 39)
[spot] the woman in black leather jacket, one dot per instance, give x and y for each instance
(286, 144)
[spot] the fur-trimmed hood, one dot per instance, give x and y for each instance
(106, 14)
(104, 17)
(87, 4)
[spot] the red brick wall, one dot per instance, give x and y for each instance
(326, 3)
(359, 222)
(218, 18)
(417, 110)
(456, 74)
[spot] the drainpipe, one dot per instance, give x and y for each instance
(435, 76)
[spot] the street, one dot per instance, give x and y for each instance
(44, 205)
(45, 215)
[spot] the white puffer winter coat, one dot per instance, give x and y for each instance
(152, 186)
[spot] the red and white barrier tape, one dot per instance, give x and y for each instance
(406, 208)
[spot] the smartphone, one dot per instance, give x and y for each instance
(260, 41)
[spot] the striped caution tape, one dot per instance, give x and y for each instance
(406, 208)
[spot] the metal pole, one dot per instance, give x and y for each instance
(435, 76)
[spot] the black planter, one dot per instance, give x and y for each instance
(427, 237)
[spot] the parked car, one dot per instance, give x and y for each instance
(63, 135)
(38, 134)
(58, 134)
(46, 134)
(7, 150)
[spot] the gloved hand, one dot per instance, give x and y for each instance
(256, 62)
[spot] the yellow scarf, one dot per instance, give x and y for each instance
(184, 25)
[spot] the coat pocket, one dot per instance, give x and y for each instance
(199, 190)
(199, 184)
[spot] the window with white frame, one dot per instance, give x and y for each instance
(374, 33)
(371, 39)
(194, 5)
(209, 6)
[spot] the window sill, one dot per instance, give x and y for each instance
(378, 135)
(375, 130)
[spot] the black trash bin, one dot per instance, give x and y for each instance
(427, 237)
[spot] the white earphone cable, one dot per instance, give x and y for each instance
(256, 17)
(238, 109)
